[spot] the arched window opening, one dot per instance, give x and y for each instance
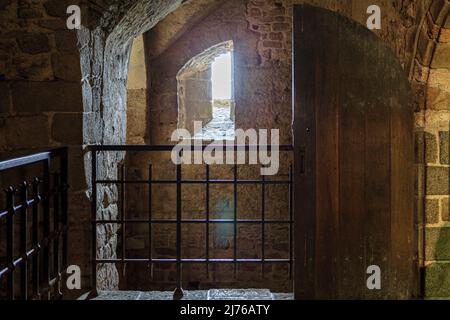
(206, 94)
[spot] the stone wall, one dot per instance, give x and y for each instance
(431, 75)
(41, 98)
(57, 89)
(137, 94)
(194, 99)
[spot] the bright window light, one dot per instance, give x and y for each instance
(221, 77)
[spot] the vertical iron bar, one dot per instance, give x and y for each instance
(291, 218)
(150, 217)
(10, 241)
(64, 205)
(263, 224)
(207, 221)
(56, 226)
(46, 233)
(35, 238)
(235, 218)
(178, 294)
(94, 222)
(23, 240)
(122, 216)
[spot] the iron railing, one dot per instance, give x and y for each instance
(37, 207)
(179, 221)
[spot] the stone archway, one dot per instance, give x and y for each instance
(104, 54)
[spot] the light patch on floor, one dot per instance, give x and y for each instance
(213, 294)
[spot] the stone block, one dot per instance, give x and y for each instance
(437, 280)
(66, 41)
(445, 35)
(444, 146)
(441, 58)
(445, 213)
(26, 132)
(437, 243)
(29, 13)
(437, 99)
(36, 97)
(281, 27)
(67, 128)
(66, 66)
(432, 210)
(33, 43)
(430, 148)
(273, 44)
(5, 98)
(36, 69)
(437, 180)
(53, 24)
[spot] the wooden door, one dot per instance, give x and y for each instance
(354, 178)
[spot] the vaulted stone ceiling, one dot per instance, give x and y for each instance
(177, 23)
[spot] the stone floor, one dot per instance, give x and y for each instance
(221, 127)
(213, 294)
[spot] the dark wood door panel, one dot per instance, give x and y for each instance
(353, 144)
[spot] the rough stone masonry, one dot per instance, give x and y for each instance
(59, 87)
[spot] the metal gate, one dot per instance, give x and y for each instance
(179, 181)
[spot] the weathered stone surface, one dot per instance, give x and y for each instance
(53, 24)
(33, 43)
(29, 13)
(26, 132)
(37, 69)
(437, 243)
(437, 181)
(432, 210)
(431, 153)
(5, 98)
(66, 41)
(57, 8)
(66, 66)
(445, 211)
(5, 3)
(444, 146)
(136, 116)
(437, 280)
(46, 96)
(441, 58)
(67, 128)
(437, 99)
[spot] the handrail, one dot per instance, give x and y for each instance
(30, 159)
(246, 147)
